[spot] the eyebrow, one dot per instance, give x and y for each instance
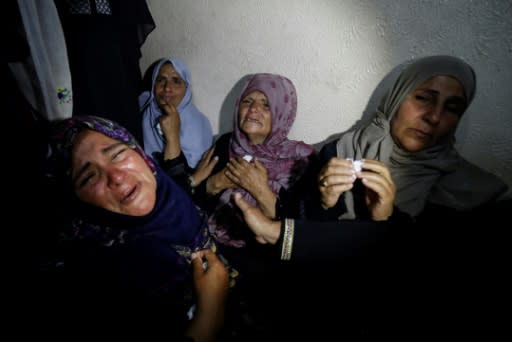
(103, 151)
(455, 98)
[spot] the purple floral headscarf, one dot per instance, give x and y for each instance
(285, 160)
(67, 130)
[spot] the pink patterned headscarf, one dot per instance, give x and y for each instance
(285, 159)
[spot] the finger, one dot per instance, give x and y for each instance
(210, 257)
(376, 177)
(336, 180)
(212, 163)
(377, 167)
(380, 186)
(207, 155)
(259, 165)
(260, 239)
(230, 176)
(337, 189)
(197, 264)
(340, 170)
(240, 202)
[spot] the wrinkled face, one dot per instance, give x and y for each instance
(108, 174)
(169, 86)
(429, 115)
(254, 117)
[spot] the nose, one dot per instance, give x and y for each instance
(115, 177)
(167, 85)
(255, 106)
(433, 116)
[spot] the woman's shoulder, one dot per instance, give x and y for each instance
(222, 142)
(328, 151)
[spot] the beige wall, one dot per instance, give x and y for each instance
(337, 53)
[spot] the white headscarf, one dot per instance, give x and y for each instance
(44, 78)
(195, 132)
(437, 174)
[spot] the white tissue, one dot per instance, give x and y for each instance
(356, 164)
(248, 158)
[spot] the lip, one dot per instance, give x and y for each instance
(253, 121)
(131, 195)
(421, 134)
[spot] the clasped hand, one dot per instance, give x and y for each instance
(338, 176)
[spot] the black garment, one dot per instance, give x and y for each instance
(103, 44)
(447, 272)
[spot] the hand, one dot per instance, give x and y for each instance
(205, 166)
(170, 124)
(336, 177)
(253, 178)
(380, 189)
(266, 230)
(211, 286)
(219, 182)
(169, 120)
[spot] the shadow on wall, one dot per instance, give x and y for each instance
(148, 77)
(226, 115)
(371, 106)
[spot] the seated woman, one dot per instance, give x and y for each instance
(256, 159)
(135, 233)
(413, 133)
(172, 126)
(366, 255)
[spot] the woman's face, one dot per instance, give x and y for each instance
(255, 118)
(169, 86)
(109, 174)
(429, 115)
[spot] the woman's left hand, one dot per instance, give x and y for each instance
(250, 176)
(380, 189)
(253, 177)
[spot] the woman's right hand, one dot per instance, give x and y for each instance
(336, 177)
(169, 121)
(211, 281)
(266, 230)
(170, 124)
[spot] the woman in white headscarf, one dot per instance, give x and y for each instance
(412, 133)
(171, 124)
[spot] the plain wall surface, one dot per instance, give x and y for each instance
(339, 54)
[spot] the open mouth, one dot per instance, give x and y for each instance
(130, 195)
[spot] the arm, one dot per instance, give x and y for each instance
(211, 286)
(313, 240)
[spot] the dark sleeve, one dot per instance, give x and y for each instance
(295, 201)
(221, 150)
(103, 285)
(331, 240)
(177, 169)
(303, 200)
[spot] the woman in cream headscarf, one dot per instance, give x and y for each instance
(412, 133)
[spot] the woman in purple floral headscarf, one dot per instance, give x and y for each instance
(135, 231)
(257, 159)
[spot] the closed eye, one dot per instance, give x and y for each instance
(85, 180)
(117, 155)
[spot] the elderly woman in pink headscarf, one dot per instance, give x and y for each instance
(257, 159)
